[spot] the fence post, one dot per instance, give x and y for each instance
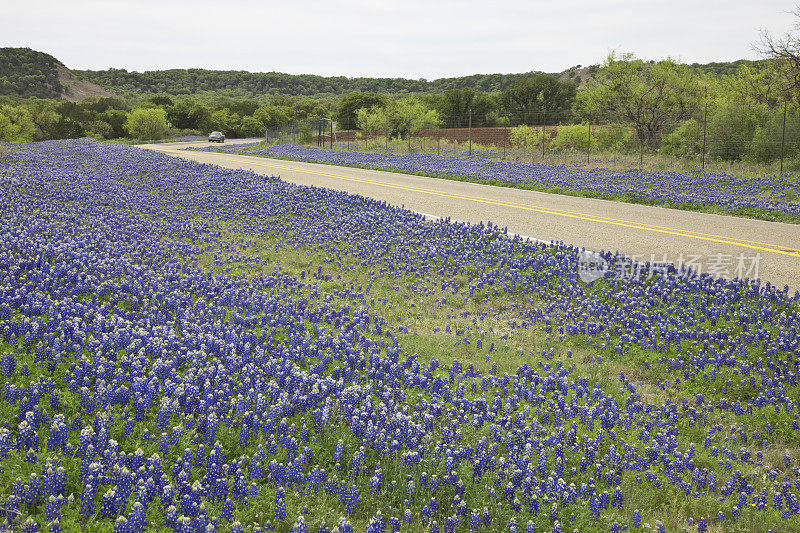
(705, 122)
(783, 134)
(589, 146)
(641, 151)
(470, 132)
(438, 144)
(266, 134)
(544, 131)
(331, 134)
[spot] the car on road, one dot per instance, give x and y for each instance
(216, 137)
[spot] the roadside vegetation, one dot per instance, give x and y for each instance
(185, 346)
(668, 113)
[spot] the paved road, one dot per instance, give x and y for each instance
(713, 243)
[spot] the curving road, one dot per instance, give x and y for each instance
(722, 245)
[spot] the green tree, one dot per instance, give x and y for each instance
(66, 128)
(45, 119)
(147, 124)
(225, 121)
(251, 127)
(345, 116)
(200, 118)
(162, 100)
(100, 104)
(764, 85)
(116, 119)
(16, 125)
(540, 98)
(454, 107)
(180, 114)
(306, 108)
(100, 129)
(372, 120)
(651, 96)
(272, 116)
(409, 115)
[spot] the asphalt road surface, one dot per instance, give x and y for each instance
(721, 245)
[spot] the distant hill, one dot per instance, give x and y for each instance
(241, 84)
(26, 73)
(725, 68)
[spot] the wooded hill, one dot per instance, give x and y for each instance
(27, 73)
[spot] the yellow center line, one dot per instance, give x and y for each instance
(755, 245)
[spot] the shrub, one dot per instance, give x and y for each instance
(766, 145)
(147, 124)
(527, 137)
(617, 138)
(251, 127)
(16, 124)
(730, 131)
(685, 141)
(574, 137)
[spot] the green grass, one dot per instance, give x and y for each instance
(423, 307)
(422, 311)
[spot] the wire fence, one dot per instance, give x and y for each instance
(729, 137)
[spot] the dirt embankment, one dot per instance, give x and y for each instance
(77, 89)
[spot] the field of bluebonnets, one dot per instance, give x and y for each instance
(765, 195)
(189, 348)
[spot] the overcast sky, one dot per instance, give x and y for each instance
(410, 38)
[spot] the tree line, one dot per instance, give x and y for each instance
(25, 120)
(260, 85)
(659, 105)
